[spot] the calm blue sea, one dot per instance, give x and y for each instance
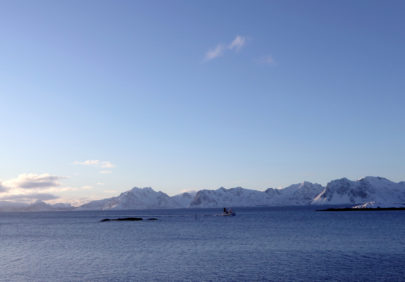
(277, 244)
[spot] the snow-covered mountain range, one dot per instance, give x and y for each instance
(297, 194)
(369, 191)
(366, 192)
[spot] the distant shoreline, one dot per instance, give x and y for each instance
(361, 209)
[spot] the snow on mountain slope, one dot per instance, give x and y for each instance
(272, 192)
(298, 194)
(184, 199)
(222, 197)
(136, 198)
(367, 190)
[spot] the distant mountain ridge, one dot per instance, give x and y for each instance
(366, 192)
(294, 195)
(36, 206)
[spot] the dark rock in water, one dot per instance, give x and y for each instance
(129, 219)
(122, 219)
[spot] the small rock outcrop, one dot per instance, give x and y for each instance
(122, 219)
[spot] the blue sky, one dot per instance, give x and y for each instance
(101, 96)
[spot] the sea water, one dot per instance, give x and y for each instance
(258, 244)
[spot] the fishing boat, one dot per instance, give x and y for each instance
(228, 212)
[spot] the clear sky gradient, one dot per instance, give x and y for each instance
(183, 95)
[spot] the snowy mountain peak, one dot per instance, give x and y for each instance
(140, 190)
(376, 180)
(136, 198)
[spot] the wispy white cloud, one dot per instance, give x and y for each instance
(237, 43)
(215, 52)
(105, 171)
(220, 49)
(268, 60)
(95, 163)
